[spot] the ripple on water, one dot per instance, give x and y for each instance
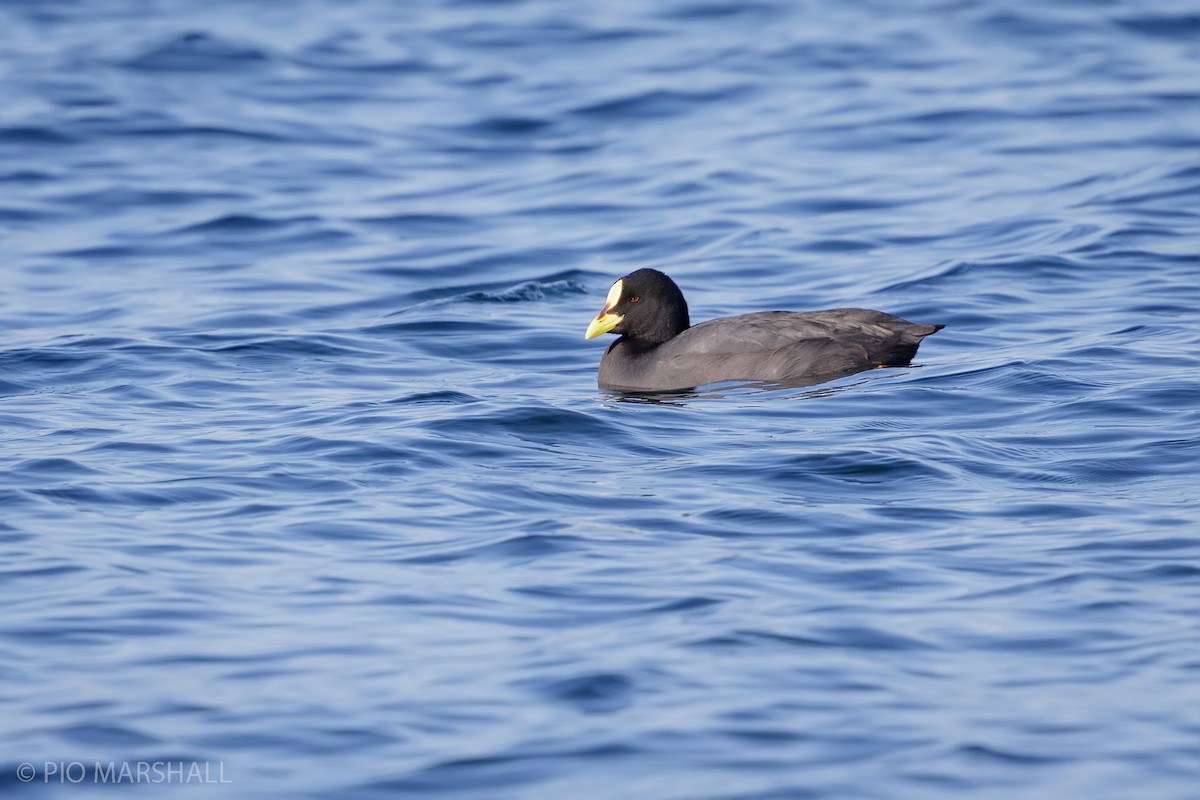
(305, 472)
(198, 52)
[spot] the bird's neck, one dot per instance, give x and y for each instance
(665, 329)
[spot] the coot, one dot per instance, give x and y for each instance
(659, 349)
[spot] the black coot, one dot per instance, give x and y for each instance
(659, 350)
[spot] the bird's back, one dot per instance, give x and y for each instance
(774, 346)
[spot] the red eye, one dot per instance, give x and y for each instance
(634, 299)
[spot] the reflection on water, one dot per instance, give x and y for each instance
(748, 390)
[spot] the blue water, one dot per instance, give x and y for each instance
(304, 472)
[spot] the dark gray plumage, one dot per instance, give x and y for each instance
(660, 351)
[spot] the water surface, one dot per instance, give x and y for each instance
(305, 472)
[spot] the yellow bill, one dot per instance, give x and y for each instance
(605, 321)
